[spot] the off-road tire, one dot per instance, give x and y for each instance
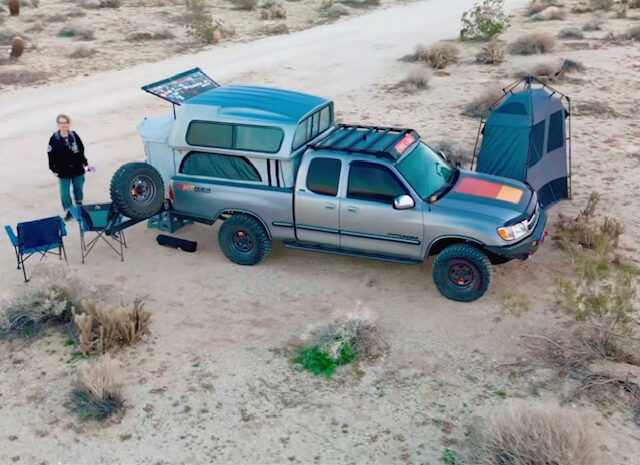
(462, 272)
(243, 240)
(130, 202)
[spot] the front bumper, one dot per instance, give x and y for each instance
(526, 247)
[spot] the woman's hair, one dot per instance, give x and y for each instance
(61, 115)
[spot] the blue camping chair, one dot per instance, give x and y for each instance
(94, 219)
(38, 237)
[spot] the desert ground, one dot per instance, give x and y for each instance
(213, 381)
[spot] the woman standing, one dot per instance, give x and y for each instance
(67, 161)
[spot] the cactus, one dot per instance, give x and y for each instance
(17, 48)
(14, 7)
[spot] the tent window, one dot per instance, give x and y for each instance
(537, 143)
(556, 131)
(219, 166)
(513, 108)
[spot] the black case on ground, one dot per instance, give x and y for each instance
(177, 243)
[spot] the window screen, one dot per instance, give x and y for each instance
(323, 176)
(311, 126)
(537, 143)
(234, 136)
(210, 134)
(374, 183)
(219, 166)
(556, 131)
(325, 118)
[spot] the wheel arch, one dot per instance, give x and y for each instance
(228, 212)
(440, 243)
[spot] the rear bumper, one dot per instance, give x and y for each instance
(527, 247)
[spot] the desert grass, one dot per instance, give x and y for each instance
(533, 43)
(528, 433)
(416, 80)
(51, 299)
(571, 33)
(103, 327)
(493, 53)
(335, 10)
(454, 152)
(481, 106)
(553, 71)
(97, 394)
(246, 5)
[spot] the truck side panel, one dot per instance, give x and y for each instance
(208, 198)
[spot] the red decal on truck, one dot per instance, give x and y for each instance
(404, 143)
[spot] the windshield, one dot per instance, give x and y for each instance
(425, 170)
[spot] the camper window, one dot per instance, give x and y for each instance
(219, 166)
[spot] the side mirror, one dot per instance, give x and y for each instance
(443, 155)
(403, 202)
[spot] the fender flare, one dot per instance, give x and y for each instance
(236, 211)
(454, 239)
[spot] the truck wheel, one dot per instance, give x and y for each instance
(243, 240)
(137, 190)
(462, 272)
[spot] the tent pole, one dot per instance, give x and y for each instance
(570, 193)
(475, 148)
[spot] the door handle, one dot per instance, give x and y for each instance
(352, 209)
(329, 206)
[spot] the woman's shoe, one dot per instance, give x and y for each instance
(68, 216)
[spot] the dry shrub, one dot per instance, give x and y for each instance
(362, 336)
(109, 3)
(482, 105)
(536, 6)
(595, 5)
(336, 10)
(46, 302)
(454, 151)
(553, 71)
(492, 53)
(633, 33)
(17, 48)
(527, 433)
(22, 77)
(246, 5)
(594, 25)
(586, 231)
(593, 108)
(552, 13)
(14, 7)
(438, 56)
(163, 33)
(631, 3)
(102, 327)
(274, 12)
(570, 33)
(7, 34)
(97, 393)
(277, 29)
(82, 51)
(534, 43)
(199, 22)
(417, 79)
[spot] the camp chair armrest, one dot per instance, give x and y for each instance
(63, 228)
(12, 236)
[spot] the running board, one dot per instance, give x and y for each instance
(372, 256)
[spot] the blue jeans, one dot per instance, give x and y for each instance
(65, 194)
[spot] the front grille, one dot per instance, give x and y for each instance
(531, 222)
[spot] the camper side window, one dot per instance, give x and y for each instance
(219, 166)
(556, 131)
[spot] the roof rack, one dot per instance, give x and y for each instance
(370, 140)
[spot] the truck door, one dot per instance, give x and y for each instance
(316, 202)
(368, 220)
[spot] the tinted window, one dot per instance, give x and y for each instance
(537, 143)
(210, 134)
(556, 131)
(219, 166)
(258, 139)
(311, 126)
(301, 135)
(234, 136)
(325, 118)
(374, 183)
(323, 176)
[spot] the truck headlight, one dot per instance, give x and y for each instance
(511, 233)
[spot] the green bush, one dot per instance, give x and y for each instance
(484, 21)
(320, 361)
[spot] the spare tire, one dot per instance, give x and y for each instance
(137, 190)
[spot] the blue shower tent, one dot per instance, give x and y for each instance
(527, 137)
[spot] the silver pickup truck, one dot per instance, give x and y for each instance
(273, 165)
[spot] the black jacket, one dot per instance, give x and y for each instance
(66, 158)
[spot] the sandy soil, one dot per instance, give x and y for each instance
(219, 329)
(139, 31)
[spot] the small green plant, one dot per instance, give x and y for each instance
(200, 24)
(449, 456)
(500, 394)
(484, 21)
(320, 361)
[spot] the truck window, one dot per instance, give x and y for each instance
(234, 136)
(374, 183)
(219, 166)
(324, 175)
(311, 126)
